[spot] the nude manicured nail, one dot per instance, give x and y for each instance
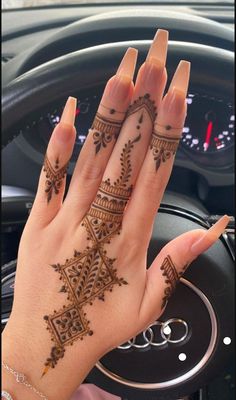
(128, 64)
(180, 80)
(68, 115)
(118, 87)
(211, 235)
(158, 50)
(151, 75)
(173, 107)
(154, 65)
(174, 102)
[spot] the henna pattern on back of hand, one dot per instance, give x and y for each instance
(89, 274)
(54, 177)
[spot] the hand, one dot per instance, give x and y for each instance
(81, 269)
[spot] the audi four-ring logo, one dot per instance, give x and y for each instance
(175, 330)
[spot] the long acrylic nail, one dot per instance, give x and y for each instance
(158, 50)
(128, 64)
(118, 87)
(150, 75)
(68, 115)
(211, 235)
(174, 101)
(180, 80)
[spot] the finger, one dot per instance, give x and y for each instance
(101, 137)
(52, 179)
(158, 163)
(129, 152)
(127, 156)
(171, 263)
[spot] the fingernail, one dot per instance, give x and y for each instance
(68, 115)
(128, 64)
(174, 102)
(151, 74)
(118, 87)
(180, 80)
(210, 237)
(158, 50)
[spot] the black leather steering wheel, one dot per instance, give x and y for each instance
(155, 373)
(117, 26)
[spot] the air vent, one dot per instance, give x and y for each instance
(6, 58)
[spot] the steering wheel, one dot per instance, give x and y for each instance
(199, 317)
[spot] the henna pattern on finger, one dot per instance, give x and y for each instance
(163, 147)
(89, 274)
(54, 177)
(105, 129)
(171, 276)
(144, 103)
(112, 110)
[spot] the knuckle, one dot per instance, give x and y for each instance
(91, 172)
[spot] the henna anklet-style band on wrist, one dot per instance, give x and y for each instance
(21, 379)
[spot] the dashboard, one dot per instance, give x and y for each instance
(207, 138)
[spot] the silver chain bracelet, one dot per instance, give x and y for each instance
(22, 379)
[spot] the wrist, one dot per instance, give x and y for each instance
(16, 390)
(26, 355)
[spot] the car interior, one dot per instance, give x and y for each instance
(52, 50)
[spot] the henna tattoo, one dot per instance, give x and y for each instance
(54, 177)
(105, 130)
(144, 102)
(89, 274)
(112, 110)
(126, 169)
(169, 127)
(171, 277)
(163, 147)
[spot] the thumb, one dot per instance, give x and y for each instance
(171, 263)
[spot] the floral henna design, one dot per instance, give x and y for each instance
(163, 147)
(105, 129)
(89, 274)
(54, 177)
(171, 278)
